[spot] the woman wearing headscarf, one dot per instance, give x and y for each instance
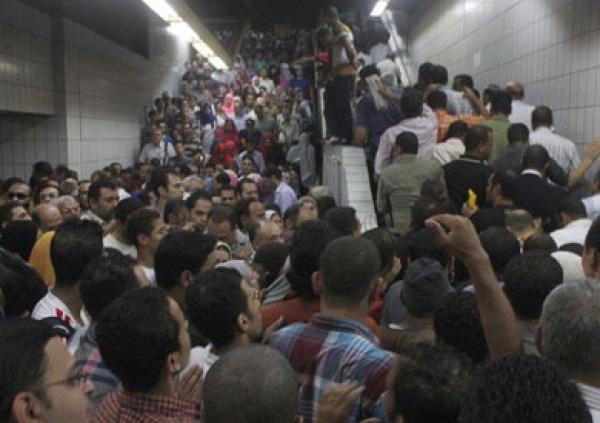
(229, 106)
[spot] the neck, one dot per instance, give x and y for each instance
(164, 388)
(70, 296)
(242, 340)
(501, 201)
(145, 258)
(177, 294)
(357, 313)
(419, 322)
(119, 234)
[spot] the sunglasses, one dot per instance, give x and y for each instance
(19, 195)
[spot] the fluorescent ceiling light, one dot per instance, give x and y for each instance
(217, 62)
(203, 49)
(379, 8)
(163, 9)
(183, 30)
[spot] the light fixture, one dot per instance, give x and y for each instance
(163, 10)
(379, 8)
(203, 49)
(182, 30)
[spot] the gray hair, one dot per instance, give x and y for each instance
(570, 326)
(63, 199)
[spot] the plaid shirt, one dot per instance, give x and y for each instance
(327, 351)
(126, 407)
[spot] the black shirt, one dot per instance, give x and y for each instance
(464, 174)
(490, 217)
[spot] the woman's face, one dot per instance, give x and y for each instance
(247, 167)
(228, 125)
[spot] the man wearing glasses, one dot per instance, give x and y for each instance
(39, 379)
(15, 189)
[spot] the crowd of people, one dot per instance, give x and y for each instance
(214, 282)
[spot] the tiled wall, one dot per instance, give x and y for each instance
(553, 46)
(85, 96)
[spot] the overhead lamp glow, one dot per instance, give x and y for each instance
(163, 10)
(203, 49)
(379, 8)
(217, 62)
(183, 30)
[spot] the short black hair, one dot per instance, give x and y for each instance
(425, 244)
(273, 171)
(271, 257)
(540, 242)
(7, 185)
(506, 389)
(20, 286)
(221, 213)
(502, 102)
(126, 207)
(573, 208)
(242, 208)
(308, 242)
(408, 142)
(437, 100)
(96, 187)
(349, 265)
(431, 384)
(592, 239)
(141, 222)
(385, 242)
(456, 323)
(240, 185)
(541, 116)
(411, 103)
(457, 129)
(214, 301)
(173, 206)
(425, 71)
(517, 132)
(22, 359)
(191, 201)
(74, 244)
(342, 220)
(324, 204)
(528, 280)
(223, 179)
(477, 136)
(439, 75)
(180, 251)
(160, 178)
(135, 335)
(508, 184)
(105, 279)
(466, 79)
(501, 245)
(536, 157)
(253, 384)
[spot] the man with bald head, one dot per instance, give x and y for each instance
(47, 216)
(267, 231)
(521, 111)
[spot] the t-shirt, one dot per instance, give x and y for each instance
(150, 275)
(110, 241)
(203, 357)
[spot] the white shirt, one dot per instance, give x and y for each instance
(285, 197)
(521, 113)
(51, 306)
(150, 274)
(562, 150)
(90, 215)
(267, 84)
(424, 127)
(379, 52)
(389, 71)
(203, 357)
(448, 151)
(338, 51)
(110, 241)
(591, 396)
(592, 206)
(151, 151)
(574, 233)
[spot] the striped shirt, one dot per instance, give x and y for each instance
(591, 396)
(562, 150)
(328, 350)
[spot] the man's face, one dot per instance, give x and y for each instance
(19, 213)
(179, 148)
(248, 166)
(228, 197)
(49, 216)
(106, 204)
(184, 336)
(69, 209)
(249, 190)
(84, 187)
(48, 194)
(307, 211)
(269, 232)
(222, 231)
(19, 193)
(175, 187)
(254, 328)
(199, 214)
(260, 111)
(65, 392)
(159, 230)
(257, 211)
(250, 101)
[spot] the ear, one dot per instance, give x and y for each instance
(315, 280)
(27, 408)
(185, 278)
(143, 240)
(174, 363)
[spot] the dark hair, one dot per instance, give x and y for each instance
(501, 245)
(385, 242)
(425, 72)
(221, 213)
(506, 389)
(126, 207)
(543, 242)
(191, 201)
(242, 208)
(159, 178)
(541, 116)
(135, 335)
(22, 359)
(273, 171)
(43, 186)
(223, 179)
(431, 384)
(19, 237)
(8, 184)
(528, 280)
(324, 204)
(349, 265)
(437, 100)
(254, 384)
(6, 212)
(466, 79)
(20, 286)
(105, 279)
(74, 244)
(592, 239)
(508, 184)
(95, 187)
(368, 70)
(240, 185)
(342, 220)
(456, 323)
(308, 243)
(408, 142)
(271, 256)
(573, 208)
(502, 103)
(179, 252)
(411, 103)
(477, 136)
(425, 244)
(519, 220)
(457, 129)
(439, 75)
(214, 301)
(517, 132)
(141, 222)
(172, 207)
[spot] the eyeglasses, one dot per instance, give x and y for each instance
(19, 195)
(78, 379)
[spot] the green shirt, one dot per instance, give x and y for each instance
(499, 125)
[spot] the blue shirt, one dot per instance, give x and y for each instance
(285, 197)
(377, 121)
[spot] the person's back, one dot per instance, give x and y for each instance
(334, 346)
(499, 123)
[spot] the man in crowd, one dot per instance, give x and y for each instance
(158, 149)
(15, 189)
(10, 212)
(145, 229)
(253, 153)
(498, 123)
(521, 111)
(400, 183)
(247, 189)
(222, 225)
(117, 238)
(167, 186)
(249, 212)
(68, 207)
(575, 224)
(199, 205)
(285, 196)
(47, 217)
(102, 198)
(501, 194)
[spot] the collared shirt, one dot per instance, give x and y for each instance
(89, 360)
(162, 152)
(521, 113)
(285, 197)
(445, 119)
(126, 407)
(110, 241)
(329, 350)
(592, 206)
(424, 127)
(90, 215)
(591, 396)
(574, 233)
(562, 150)
(499, 125)
(448, 151)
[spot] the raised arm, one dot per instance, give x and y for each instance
(591, 154)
